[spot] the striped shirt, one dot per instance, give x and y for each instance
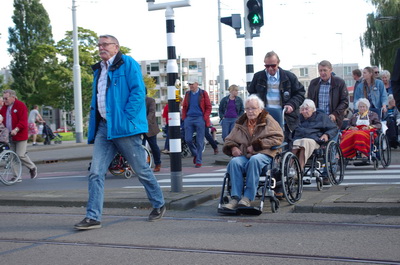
(102, 87)
(273, 95)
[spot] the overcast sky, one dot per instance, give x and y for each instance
(300, 31)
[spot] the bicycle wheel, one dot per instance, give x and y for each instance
(10, 167)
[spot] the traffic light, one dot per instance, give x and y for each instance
(234, 21)
(255, 15)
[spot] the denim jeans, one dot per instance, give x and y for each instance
(103, 152)
(195, 124)
(252, 167)
(210, 139)
(155, 150)
(227, 126)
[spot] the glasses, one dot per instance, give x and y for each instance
(105, 44)
(251, 109)
(5, 98)
(270, 65)
(377, 72)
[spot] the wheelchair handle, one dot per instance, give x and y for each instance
(283, 119)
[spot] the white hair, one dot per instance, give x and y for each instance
(255, 98)
(308, 103)
(364, 101)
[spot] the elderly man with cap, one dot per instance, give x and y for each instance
(196, 110)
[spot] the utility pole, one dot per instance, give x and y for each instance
(77, 80)
(174, 116)
(221, 59)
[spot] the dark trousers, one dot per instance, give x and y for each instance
(154, 148)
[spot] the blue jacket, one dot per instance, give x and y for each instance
(314, 127)
(378, 94)
(125, 100)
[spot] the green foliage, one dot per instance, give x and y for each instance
(30, 45)
(150, 84)
(382, 34)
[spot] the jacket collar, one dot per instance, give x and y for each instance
(118, 61)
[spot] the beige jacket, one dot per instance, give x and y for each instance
(267, 134)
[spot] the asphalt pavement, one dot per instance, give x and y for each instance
(357, 199)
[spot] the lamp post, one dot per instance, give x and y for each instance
(341, 40)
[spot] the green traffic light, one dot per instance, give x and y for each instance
(255, 19)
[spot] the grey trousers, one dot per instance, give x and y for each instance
(19, 147)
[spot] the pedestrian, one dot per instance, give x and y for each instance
(117, 121)
(375, 70)
(196, 110)
(330, 95)
(211, 140)
(34, 116)
(15, 114)
(166, 128)
(385, 75)
(357, 76)
(395, 79)
(230, 108)
(279, 89)
(151, 136)
(374, 90)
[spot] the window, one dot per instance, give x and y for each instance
(347, 70)
(154, 67)
(192, 65)
(303, 71)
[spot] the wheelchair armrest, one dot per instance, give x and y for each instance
(279, 146)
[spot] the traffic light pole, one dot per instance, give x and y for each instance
(174, 116)
(248, 43)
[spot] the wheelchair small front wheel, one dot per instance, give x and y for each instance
(320, 184)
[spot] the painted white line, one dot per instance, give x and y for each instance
(61, 177)
(169, 186)
(194, 180)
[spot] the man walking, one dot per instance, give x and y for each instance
(196, 110)
(117, 121)
(279, 89)
(15, 115)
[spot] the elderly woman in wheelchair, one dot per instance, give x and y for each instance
(250, 145)
(315, 128)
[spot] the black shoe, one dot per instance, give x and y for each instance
(306, 181)
(157, 214)
(325, 181)
(87, 224)
(33, 173)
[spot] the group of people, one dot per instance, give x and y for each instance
(309, 121)
(250, 129)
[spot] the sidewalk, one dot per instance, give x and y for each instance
(357, 199)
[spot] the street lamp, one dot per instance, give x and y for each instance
(341, 40)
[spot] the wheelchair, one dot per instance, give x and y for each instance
(328, 157)
(10, 165)
(380, 151)
(283, 174)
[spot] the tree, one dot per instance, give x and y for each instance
(382, 34)
(150, 84)
(30, 45)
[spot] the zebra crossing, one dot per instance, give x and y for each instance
(353, 176)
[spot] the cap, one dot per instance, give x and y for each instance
(192, 81)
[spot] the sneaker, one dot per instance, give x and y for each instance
(306, 181)
(231, 205)
(18, 180)
(244, 202)
(165, 151)
(157, 168)
(34, 144)
(33, 173)
(216, 151)
(325, 181)
(87, 224)
(197, 166)
(157, 214)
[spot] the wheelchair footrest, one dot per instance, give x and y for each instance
(227, 211)
(249, 210)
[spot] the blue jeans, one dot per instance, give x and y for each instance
(252, 167)
(103, 152)
(155, 150)
(198, 125)
(227, 126)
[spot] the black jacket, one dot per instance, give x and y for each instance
(315, 126)
(291, 91)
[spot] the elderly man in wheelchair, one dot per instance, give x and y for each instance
(250, 144)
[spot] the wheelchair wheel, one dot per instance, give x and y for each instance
(384, 150)
(320, 184)
(334, 163)
(274, 205)
(10, 167)
(117, 165)
(128, 173)
(148, 156)
(292, 179)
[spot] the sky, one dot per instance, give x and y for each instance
(301, 32)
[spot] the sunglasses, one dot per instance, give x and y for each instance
(377, 72)
(270, 65)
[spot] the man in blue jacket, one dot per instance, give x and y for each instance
(117, 120)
